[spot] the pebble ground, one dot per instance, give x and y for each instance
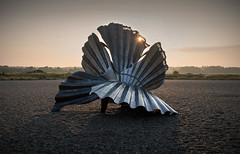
(208, 121)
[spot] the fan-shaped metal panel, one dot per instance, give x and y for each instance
(127, 78)
(96, 59)
(133, 95)
(123, 45)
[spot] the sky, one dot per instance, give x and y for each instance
(53, 32)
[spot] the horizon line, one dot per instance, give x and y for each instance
(81, 66)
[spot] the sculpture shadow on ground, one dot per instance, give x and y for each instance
(117, 130)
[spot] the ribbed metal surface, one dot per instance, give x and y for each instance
(76, 90)
(133, 95)
(126, 75)
(95, 59)
(123, 44)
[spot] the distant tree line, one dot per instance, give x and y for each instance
(19, 69)
(181, 70)
(205, 70)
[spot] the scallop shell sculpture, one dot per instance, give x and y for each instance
(117, 69)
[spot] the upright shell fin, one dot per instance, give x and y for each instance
(124, 45)
(96, 59)
(149, 72)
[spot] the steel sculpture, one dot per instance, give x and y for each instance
(118, 70)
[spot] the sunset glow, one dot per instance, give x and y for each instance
(52, 33)
(140, 39)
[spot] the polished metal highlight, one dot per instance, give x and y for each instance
(119, 70)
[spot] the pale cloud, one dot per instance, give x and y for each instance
(227, 56)
(235, 47)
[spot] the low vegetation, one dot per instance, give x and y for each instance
(38, 75)
(33, 76)
(37, 71)
(190, 76)
(181, 70)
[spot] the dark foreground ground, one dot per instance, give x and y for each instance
(208, 121)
